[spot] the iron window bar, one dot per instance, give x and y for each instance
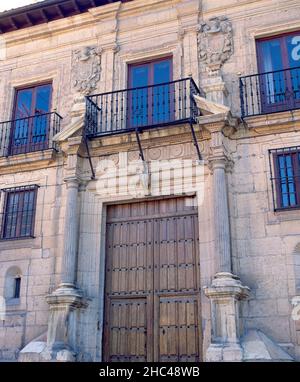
(30, 134)
(270, 92)
(285, 177)
(18, 215)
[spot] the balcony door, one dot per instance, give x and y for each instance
(31, 119)
(151, 96)
(279, 65)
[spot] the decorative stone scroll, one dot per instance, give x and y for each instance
(215, 42)
(86, 69)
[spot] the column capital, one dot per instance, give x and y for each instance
(220, 162)
(72, 181)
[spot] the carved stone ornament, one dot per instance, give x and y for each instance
(86, 69)
(215, 42)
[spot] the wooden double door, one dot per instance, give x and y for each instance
(152, 296)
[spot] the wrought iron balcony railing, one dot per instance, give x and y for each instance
(141, 108)
(270, 92)
(29, 134)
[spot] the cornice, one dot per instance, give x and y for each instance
(244, 8)
(276, 123)
(29, 162)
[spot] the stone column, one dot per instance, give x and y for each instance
(226, 290)
(221, 216)
(69, 261)
(67, 300)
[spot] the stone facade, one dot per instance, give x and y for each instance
(249, 254)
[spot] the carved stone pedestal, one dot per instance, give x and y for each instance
(215, 89)
(225, 295)
(64, 305)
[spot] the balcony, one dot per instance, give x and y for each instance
(141, 108)
(30, 134)
(270, 92)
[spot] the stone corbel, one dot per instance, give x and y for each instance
(219, 126)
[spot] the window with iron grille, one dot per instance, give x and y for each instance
(285, 177)
(19, 212)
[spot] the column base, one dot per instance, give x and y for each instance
(224, 353)
(64, 304)
(226, 283)
(225, 294)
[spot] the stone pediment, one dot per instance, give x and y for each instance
(73, 130)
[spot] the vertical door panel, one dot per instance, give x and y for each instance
(178, 329)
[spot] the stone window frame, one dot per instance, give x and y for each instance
(23, 266)
(12, 274)
(255, 33)
(124, 60)
(12, 86)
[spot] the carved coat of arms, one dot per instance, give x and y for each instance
(86, 69)
(215, 42)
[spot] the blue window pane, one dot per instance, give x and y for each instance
(162, 72)
(293, 47)
(162, 94)
(287, 181)
(274, 83)
(138, 100)
(21, 129)
(272, 55)
(42, 104)
(24, 103)
(10, 227)
(151, 105)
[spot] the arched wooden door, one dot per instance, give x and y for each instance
(152, 307)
